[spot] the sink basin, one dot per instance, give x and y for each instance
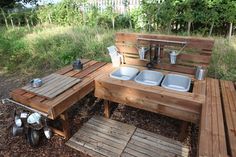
(176, 82)
(124, 73)
(149, 77)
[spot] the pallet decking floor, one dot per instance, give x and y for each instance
(105, 137)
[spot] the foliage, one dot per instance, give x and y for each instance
(30, 51)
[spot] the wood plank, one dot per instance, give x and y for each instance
(85, 66)
(177, 68)
(149, 148)
(60, 103)
(159, 144)
(54, 86)
(229, 105)
(116, 124)
(98, 138)
(109, 131)
(212, 135)
(69, 67)
(135, 153)
(90, 70)
(94, 147)
(97, 143)
(85, 150)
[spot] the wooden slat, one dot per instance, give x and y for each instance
(229, 105)
(85, 150)
(102, 140)
(177, 68)
(60, 103)
(212, 135)
(53, 86)
(85, 66)
(69, 67)
(145, 143)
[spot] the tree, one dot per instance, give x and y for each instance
(229, 8)
(9, 4)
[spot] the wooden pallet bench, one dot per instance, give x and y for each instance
(103, 137)
(229, 107)
(57, 106)
(212, 140)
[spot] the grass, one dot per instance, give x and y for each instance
(50, 47)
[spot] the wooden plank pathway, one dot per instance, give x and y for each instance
(105, 137)
(53, 85)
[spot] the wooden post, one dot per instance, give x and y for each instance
(65, 125)
(183, 131)
(107, 107)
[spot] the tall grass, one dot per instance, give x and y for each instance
(51, 47)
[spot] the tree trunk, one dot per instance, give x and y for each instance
(211, 29)
(113, 23)
(189, 27)
(169, 28)
(12, 24)
(5, 19)
(230, 30)
(27, 22)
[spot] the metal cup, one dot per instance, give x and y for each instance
(200, 73)
(173, 57)
(17, 131)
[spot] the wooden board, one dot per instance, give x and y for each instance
(181, 105)
(229, 106)
(105, 137)
(102, 137)
(53, 85)
(212, 140)
(197, 51)
(146, 144)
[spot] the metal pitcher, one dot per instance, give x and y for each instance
(200, 73)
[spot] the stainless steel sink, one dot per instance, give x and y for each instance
(176, 82)
(124, 73)
(149, 77)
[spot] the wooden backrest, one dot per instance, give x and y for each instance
(196, 52)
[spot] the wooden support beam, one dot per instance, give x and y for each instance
(107, 107)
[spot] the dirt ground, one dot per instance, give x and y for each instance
(80, 113)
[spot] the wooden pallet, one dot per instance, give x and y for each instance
(102, 137)
(108, 138)
(146, 144)
(229, 106)
(53, 85)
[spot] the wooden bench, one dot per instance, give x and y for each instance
(212, 140)
(229, 107)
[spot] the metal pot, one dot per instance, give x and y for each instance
(77, 65)
(17, 131)
(33, 137)
(36, 82)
